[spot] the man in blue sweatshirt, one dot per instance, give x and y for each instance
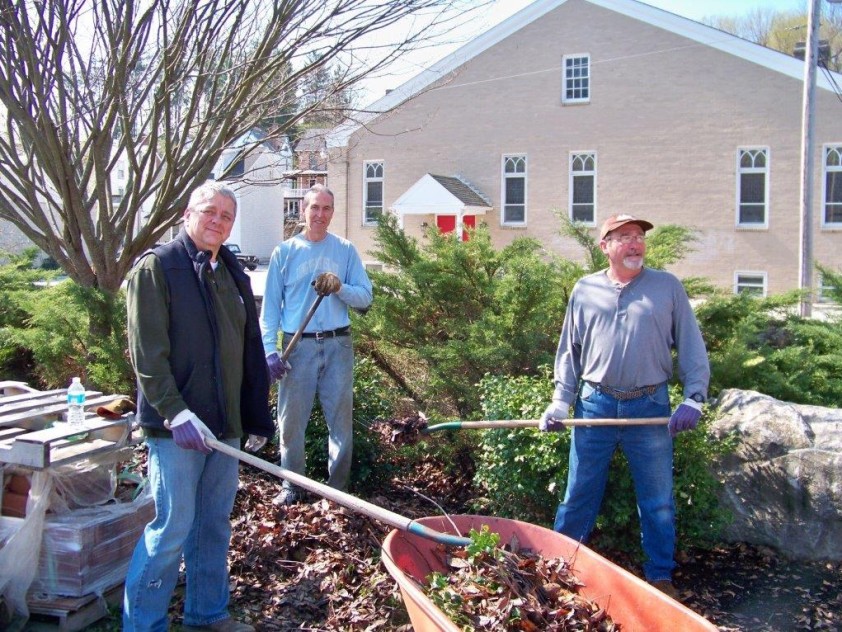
(314, 262)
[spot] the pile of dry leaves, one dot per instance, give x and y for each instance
(489, 587)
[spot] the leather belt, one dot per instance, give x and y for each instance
(321, 335)
(634, 393)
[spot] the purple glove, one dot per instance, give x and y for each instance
(277, 368)
(554, 417)
(189, 433)
(685, 417)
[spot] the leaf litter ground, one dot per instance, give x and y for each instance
(316, 566)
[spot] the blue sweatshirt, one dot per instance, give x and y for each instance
(294, 265)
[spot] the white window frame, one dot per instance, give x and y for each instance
(740, 278)
(765, 170)
(824, 289)
(827, 149)
(505, 175)
(372, 221)
(568, 81)
(292, 208)
(579, 157)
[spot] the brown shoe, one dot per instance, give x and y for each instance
(666, 587)
(225, 625)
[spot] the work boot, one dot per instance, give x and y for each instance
(288, 496)
(666, 587)
(225, 625)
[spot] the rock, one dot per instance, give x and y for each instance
(783, 483)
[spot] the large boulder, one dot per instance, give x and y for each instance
(783, 483)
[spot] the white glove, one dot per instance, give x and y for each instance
(189, 432)
(255, 442)
(554, 417)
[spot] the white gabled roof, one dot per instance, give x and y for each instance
(707, 35)
(440, 195)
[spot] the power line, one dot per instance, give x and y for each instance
(836, 89)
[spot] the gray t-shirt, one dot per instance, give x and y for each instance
(622, 336)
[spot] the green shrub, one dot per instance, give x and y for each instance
(519, 472)
(460, 309)
(523, 473)
(760, 344)
(46, 335)
(18, 280)
(449, 311)
(58, 333)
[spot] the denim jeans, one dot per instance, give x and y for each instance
(324, 367)
(194, 495)
(648, 450)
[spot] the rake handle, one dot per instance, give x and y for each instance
(533, 423)
(339, 497)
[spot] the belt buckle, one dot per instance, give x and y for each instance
(320, 336)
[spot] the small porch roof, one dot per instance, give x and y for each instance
(441, 195)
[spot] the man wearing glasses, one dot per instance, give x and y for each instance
(614, 361)
(194, 341)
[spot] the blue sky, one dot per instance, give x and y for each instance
(502, 9)
(698, 9)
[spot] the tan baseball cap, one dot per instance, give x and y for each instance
(615, 221)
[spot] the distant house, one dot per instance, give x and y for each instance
(258, 181)
(310, 167)
(587, 108)
(453, 201)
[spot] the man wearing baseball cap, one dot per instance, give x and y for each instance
(614, 361)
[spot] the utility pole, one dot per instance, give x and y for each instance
(811, 54)
(805, 273)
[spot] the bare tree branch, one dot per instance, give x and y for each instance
(165, 87)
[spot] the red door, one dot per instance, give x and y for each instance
(447, 224)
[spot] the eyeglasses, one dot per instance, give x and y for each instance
(627, 239)
(208, 214)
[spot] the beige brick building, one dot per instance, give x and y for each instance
(593, 107)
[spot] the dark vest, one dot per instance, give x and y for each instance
(194, 355)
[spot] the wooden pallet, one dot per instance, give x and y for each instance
(33, 434)
(13, 387)
(70, 614)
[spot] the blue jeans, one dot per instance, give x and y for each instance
(648, 450)
(194, 495)
(323, 367)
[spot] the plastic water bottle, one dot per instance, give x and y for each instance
(76, 403)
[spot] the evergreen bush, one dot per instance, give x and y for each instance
(57, 333)
(46, 335)
(18, 280)
(448, 311)
(761, 344)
